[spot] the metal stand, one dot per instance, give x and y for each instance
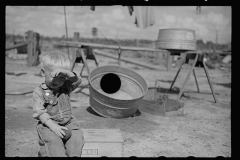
(198, 61)
(92, 57)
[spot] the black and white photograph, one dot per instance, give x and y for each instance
(118, 81)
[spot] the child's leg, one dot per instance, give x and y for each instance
(75, 143)
(53, 144)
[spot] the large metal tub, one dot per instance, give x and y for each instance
(122, 104)
(176, 39)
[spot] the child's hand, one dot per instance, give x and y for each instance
(57, 72)
(58, 130)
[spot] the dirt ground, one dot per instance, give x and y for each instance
(203, 131)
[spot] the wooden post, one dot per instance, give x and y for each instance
(176, 76)
(76, 37)
(209, 81)
(73, 55)
(35, 53)
(30, 48)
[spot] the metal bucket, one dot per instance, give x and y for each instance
(122, 104)
(176, 39)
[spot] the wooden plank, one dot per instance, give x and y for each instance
(149, 66)
(94, 45)
(102, 135)
(102, 142)
(16, 46)
(102, 149)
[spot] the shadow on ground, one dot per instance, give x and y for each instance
(227, 85)
(91, 111)
(174, 90)
(15, 74)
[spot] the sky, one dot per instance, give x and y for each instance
(115, 22)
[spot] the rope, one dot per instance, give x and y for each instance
(101, 32)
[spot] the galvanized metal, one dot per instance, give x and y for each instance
(176, 39)
(123, 103)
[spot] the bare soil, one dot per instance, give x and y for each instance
(203, 131)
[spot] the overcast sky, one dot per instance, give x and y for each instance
(116, 22)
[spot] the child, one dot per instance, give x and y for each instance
(58, 130)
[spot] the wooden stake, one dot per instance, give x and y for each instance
(209, 81)
(84, 60)
(176, 76)
(194, 74)
(189, 73)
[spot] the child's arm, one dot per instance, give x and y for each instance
(40, 113)
(72, 82)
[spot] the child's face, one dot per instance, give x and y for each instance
(53, 82)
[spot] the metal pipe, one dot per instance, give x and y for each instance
(66, 28)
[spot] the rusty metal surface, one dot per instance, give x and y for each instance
(176, 39)
(123, 103)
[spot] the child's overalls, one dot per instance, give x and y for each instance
(59, 108)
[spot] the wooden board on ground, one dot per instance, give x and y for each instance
(102, 142)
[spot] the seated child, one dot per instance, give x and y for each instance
(58, 130)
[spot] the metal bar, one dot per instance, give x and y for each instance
(209, 81)
(95, 45)
(123, 59)
(182, 89)
(16, 46)
(195, 77)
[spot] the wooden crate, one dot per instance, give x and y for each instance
(150, 105)
(102, 142)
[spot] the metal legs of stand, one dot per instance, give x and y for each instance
(85, 64)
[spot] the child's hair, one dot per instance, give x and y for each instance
(57, 59)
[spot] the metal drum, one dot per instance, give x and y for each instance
(123, 103)
(176, 39)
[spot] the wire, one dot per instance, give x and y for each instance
(101, 32)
